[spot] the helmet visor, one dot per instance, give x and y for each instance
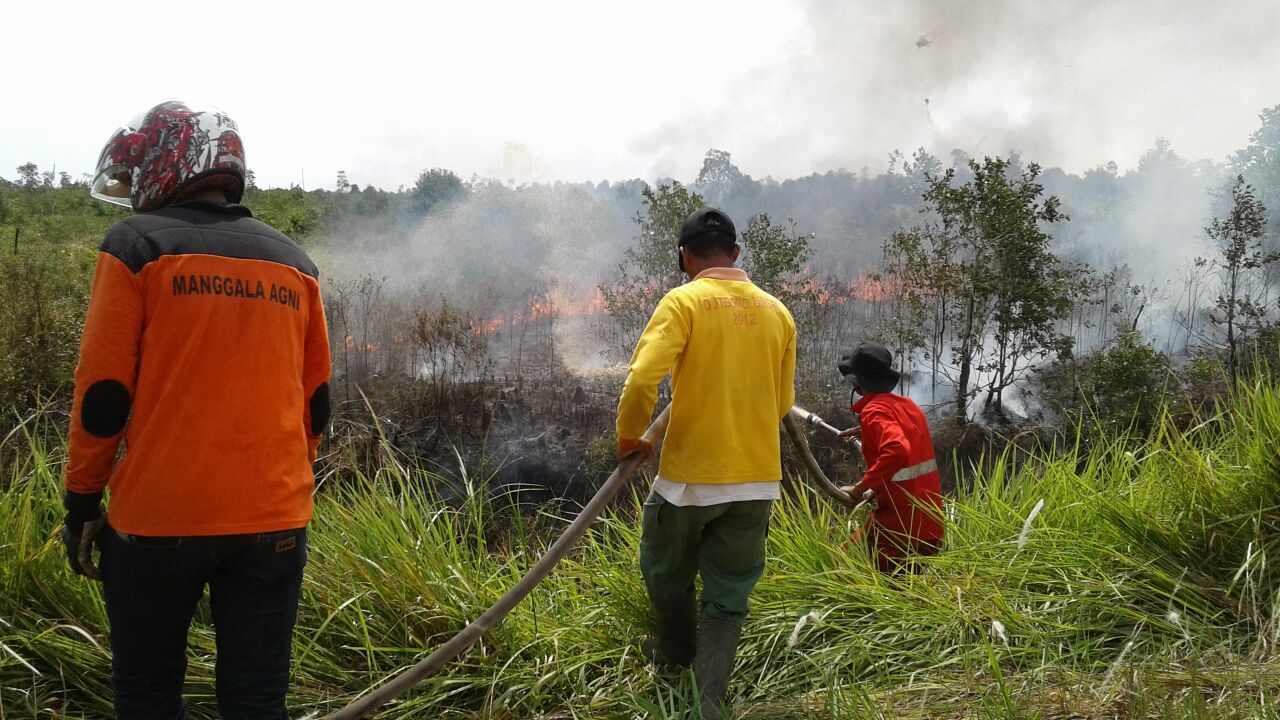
(114, 177)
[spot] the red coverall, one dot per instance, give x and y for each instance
(903, 474)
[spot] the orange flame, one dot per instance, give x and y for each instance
(871, 289)
(488, 327)
(350, 343)
(555, 304)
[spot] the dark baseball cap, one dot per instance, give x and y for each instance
(871, 366)
(706, 221)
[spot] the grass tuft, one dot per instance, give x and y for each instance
(1144, 587)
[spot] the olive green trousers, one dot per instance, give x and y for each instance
(724, 543)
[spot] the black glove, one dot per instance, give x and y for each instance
(80, 531)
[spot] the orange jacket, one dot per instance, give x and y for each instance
(205, 351)
(901, 467)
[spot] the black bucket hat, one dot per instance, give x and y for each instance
(871, 366)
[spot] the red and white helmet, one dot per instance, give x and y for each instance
(164, 151)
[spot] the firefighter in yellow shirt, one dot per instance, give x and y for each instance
(731, 350)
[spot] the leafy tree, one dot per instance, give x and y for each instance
(1259, 163)
(723, 185)
(1239, 241)
(918, 266)
(917, 170)
(1032, 286)
(435, 187)
(650, 266)
(1161, 159)
(29, 175)
(295, 212)
(983, 271)
(342, 185)
(774, 256)
(918, 298)
(373, 201)
(718, 169)
(719, 177)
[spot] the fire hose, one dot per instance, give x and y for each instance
(806, 455)
(395, 687)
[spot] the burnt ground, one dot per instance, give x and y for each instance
(548, 434)
(545, 433)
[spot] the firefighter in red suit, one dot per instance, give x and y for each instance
(902, 480)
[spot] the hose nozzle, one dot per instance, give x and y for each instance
(812, 418)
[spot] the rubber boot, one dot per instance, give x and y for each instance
(675, 627)
(717, 648)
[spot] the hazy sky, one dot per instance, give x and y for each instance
(610, 90)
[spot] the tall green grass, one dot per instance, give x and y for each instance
(1146, 587)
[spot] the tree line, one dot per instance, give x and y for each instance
(979, 272)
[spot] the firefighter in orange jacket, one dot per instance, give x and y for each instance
(205, 353)
(902, 478)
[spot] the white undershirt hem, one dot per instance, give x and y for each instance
(704, 494)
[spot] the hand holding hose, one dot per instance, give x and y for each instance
(860, 494)
(629, 447)
(853, 434)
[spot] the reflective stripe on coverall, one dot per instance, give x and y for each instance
(902, 471)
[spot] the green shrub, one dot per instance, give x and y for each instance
(1120, 388)
(43, 295)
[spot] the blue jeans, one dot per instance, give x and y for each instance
(152, 586)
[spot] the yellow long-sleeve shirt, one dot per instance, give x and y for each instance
(731, 350)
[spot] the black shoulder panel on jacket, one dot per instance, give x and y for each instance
(202, 229)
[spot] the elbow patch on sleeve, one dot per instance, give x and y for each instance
(105, 408)
(319, 409)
